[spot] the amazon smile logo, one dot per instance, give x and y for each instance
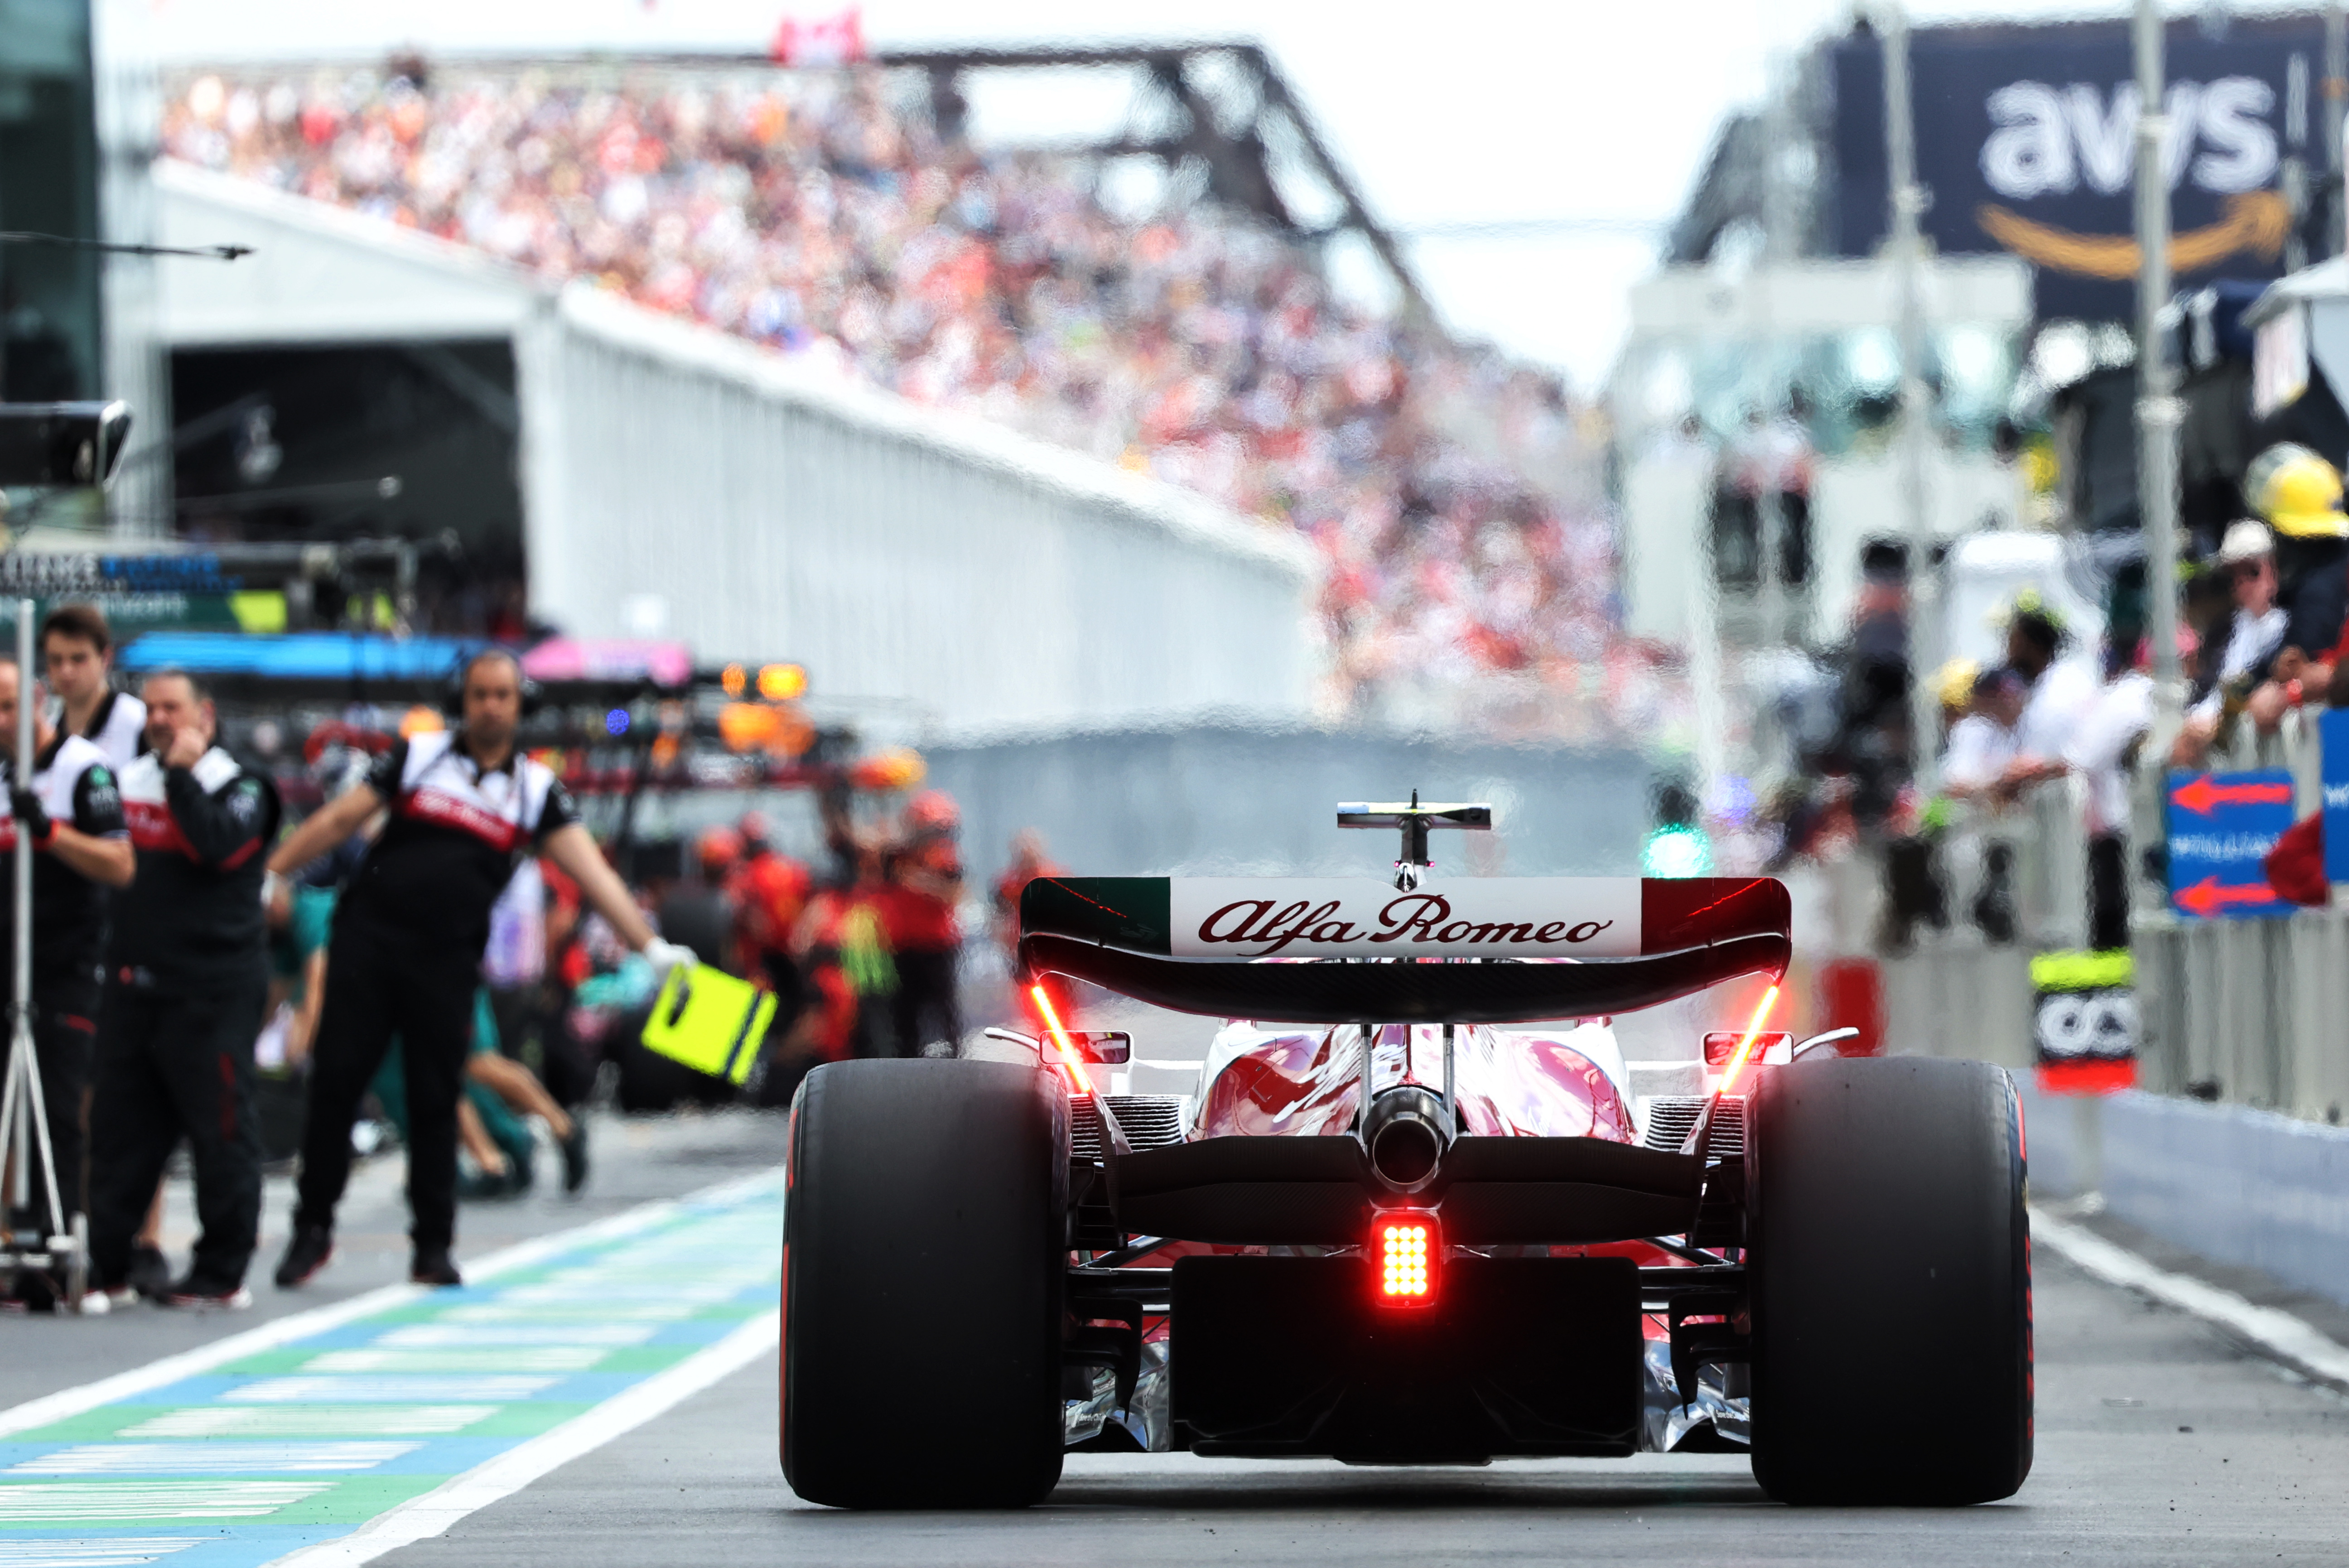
(2254, 223)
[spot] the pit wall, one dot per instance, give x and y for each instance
(2231, 1184)
(2245, 1013)
(2231, 1147)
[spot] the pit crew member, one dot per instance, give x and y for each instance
(186, 976)
(77, 659)
(72, 810)
(406, 954)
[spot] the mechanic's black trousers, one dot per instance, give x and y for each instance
(925, 1009)
(378, 986)
(65, 1024)
(172, 1065)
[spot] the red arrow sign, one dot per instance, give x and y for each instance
(2208, 897)
(2200, 793)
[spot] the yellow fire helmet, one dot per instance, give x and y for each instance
(2300, 497)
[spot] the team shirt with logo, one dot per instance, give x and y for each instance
(455, 834)
(192, 919)
(76, 788)
(117, 728)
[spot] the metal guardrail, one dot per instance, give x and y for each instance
(2253, 1012)
(2249, 1012)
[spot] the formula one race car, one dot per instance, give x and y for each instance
(1402, 1221)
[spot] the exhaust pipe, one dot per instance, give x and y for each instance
(1406, 1136)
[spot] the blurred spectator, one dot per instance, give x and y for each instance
(821, 213)
(1983, 744)
(1955, 687)
(2299, 495)
(2061, 691)
(2295, 679)
(1873, 740)
(2103, 752)
(2253, 631)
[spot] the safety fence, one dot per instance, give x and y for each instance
(2251, 1011)
(2231, 1146)
(2254, 1012)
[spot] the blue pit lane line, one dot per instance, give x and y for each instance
(342, 1433)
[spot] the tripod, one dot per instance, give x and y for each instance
(25, 1241)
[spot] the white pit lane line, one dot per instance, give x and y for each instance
(45, 1491)
(2269, 1330)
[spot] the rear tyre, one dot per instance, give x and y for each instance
(924, 1264)
(1890, 1270)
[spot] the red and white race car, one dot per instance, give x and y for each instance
(1418, 1219)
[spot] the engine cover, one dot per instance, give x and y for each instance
(1517, 1356)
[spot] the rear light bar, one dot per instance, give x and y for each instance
(1406, 1257)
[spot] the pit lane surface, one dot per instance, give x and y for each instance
(2159, 1443)
(332, 1430)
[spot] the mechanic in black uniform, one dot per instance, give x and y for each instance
(78, 666)
(73, 812)
(409, 935)
(185, 981)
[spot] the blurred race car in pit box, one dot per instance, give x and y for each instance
(1411, 1221)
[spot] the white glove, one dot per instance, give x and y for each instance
(665, 956)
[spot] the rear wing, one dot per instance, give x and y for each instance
(1195, 944)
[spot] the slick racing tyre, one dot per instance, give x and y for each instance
(1890, 1263)
(924, 1258)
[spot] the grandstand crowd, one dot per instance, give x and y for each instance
(820, 212)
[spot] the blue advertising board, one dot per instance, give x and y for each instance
(2332, 730)
(2026, 143)
(2221, 826)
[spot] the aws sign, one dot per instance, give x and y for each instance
(2026, 140)
(2052, 141)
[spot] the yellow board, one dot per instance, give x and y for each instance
(710, 1021)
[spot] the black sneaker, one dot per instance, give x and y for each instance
(305, 1254)
(433, 1266)
(150, 1272)
(193, 1294)
(574, 1154)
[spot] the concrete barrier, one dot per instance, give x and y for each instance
(2228, 1182)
